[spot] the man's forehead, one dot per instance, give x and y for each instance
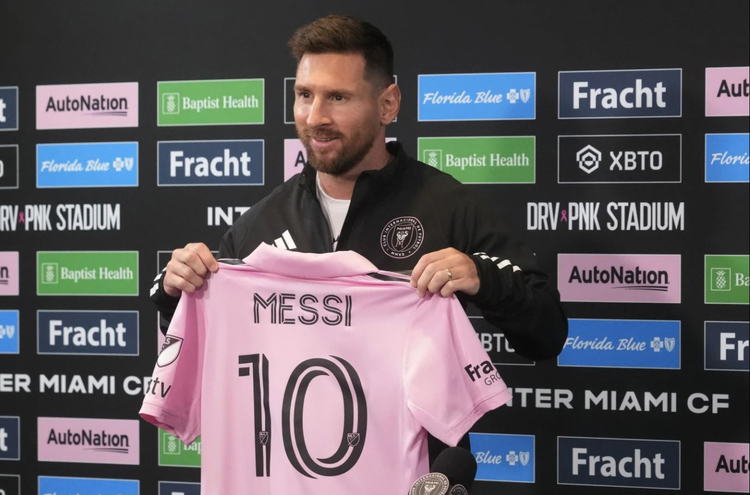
(331, 70)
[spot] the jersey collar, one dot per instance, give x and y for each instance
(271, 259)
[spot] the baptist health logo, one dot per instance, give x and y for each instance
(508, 458)
(172, 452)
(214, 102)
(727, 279)
(170, 103)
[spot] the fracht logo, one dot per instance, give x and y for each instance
(727, 279)
(644, 93)
(218, 102)
(493, 96)
(727, 157)
(87, 273)
(616, 462)
(8, 109)
(641, 344)
(619, 278)
(508, 458)
(87, 106)
(87, 333)
(726, 345)
(727, 92)
(87, 165)
(211, 163)
(179, 488)
(10, 438)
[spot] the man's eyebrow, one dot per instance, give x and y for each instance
(345, 92)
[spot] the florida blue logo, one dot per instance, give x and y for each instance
(9, 335)
(87, 165)
(87, 486)
(726, 345)
(211, 163)
(644, 344)
(179, 488)
(616, 462)
(727, 157)
(104, 333)
(509, 458)
(620, 94)
(495, 96)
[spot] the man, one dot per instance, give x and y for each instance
(357, 193)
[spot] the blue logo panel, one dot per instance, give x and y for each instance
(727, 345)
(727, 157)
(112, 333)
(8, 109)
(9, 335)
(87, 486)
(211, 163)
(510, 458)
(500, 96)
(619, 462)
(87, 165)
(175, 488)
(620, 94)
(10, 438)
(622, 344)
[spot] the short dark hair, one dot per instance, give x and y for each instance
(344, 34)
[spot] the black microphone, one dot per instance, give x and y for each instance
(452, 473)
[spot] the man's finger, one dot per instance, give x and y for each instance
(423, 263)
(205, 255)
(429, 273)
(185, 272)
(174, 283)
(441, 277)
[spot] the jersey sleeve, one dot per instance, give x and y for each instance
(173, 398)
(450, 381)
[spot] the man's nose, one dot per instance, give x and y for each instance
(318, 115)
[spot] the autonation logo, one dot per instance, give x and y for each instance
(612, 462)
(97, 441)
(619, 278)
(509, 458)
(86, 106)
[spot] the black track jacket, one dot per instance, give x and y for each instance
(398, 214)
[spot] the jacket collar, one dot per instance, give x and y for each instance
(271, 259)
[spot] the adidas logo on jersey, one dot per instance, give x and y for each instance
(285, 242)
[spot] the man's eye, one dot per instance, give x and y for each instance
(338, 98)
(304, 95)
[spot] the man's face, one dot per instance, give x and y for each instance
(336, 111)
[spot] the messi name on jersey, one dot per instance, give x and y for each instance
(288, 309)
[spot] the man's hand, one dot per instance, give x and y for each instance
(187, 269)
(445, 272)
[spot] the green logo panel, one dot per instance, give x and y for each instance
(172, 452)
(87, 273)
(727, 279)
(482, 160)
(221, 102)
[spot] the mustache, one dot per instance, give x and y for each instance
(322, 135)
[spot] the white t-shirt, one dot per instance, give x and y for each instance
(334, 210)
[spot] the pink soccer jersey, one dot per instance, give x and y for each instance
(317, 374)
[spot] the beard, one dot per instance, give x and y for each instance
(337, 162)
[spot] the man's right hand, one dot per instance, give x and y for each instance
(187, 269)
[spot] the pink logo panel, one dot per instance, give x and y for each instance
(86, 106)
(727, 92)
(95, 441)
(619, 278)
(8, 273)
(725, 467)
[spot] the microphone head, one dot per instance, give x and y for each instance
(458, 465)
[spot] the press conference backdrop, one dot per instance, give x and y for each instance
(610, 136)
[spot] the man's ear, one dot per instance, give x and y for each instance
(390, 104)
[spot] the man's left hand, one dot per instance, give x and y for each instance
(445, 272)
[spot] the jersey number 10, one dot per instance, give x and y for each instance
(354, 432)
